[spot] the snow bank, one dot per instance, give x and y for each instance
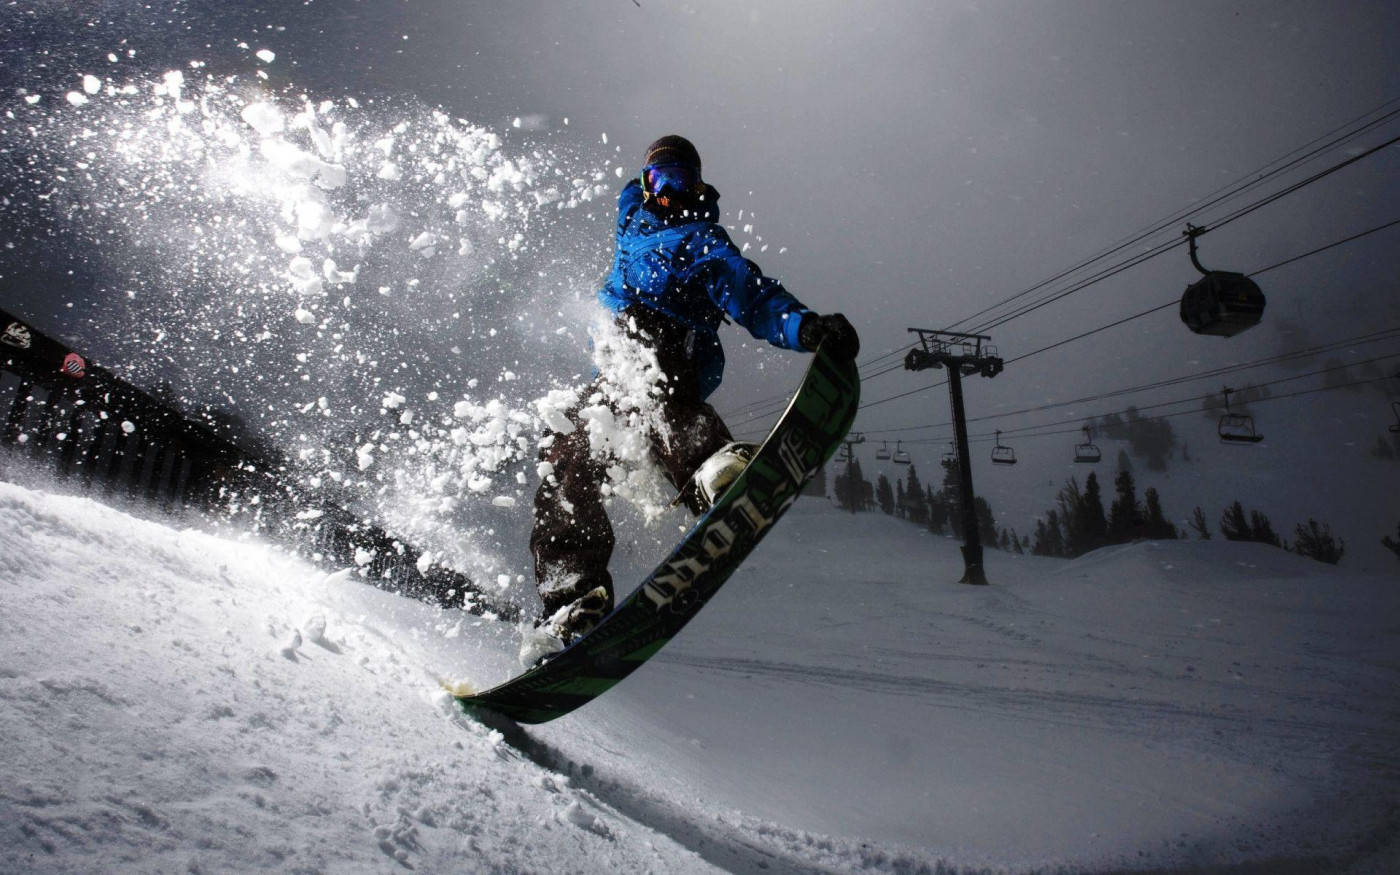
(174, 700)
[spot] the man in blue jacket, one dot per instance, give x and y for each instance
(676, 276)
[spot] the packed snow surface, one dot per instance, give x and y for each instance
(177, 701)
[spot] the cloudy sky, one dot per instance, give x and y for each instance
(908, 163)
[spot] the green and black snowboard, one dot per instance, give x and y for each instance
(809, 431)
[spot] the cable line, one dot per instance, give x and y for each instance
(1230, 190)
(766, 407)
(1305, 352)
(1163, 248)
(1028, 431)
(1151, 310)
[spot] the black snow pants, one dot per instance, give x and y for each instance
(572, 538)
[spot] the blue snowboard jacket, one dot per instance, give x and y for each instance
(691, 271)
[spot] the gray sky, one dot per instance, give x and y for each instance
(917, 161)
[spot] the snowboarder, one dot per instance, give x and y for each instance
(676, 276)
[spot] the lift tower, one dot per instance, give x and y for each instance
(964, 355)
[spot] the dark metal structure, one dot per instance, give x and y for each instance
(848, 455)
(1236, 428)
(1221, 302)
(1087, 452)
(1002, 454)
(962, 355)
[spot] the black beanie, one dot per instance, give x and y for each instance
(672, 149)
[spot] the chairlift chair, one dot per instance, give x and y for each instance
(950, 458)
(901, 457)
(1221, 302)
(883, 454)
(1003, 455)
(1236, 428)
(1087, 452)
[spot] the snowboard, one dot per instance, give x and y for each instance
(807, 434)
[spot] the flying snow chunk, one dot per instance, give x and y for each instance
(382, 219)
(364, 457)
(305, 317)
(264, 118)
(76, 98)
(393, 401)
(128, 427)
(267, 56)
(91, 84)
(503, 501)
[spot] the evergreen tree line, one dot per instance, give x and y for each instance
(909, 498)
(1078, 523)
(1313, 539)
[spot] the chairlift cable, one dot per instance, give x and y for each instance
(1031, 430)
(1166, 247)
(1147, 312)
(983, 438)
(1159, 250)
(1384, 334)
(1230, 190)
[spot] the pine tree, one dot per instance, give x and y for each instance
(1125, 516)
(901, 508)
(1261, 530)
(851, 487)
(1316, 542)
(884, 494)
(914, 494)
(1198, 522)
(1083, 518)
(1049, 540)
(1156, 527)
(937, 512)
(1234, 525)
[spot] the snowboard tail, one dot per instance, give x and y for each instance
(807, 434)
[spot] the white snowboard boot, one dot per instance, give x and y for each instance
(568, 624)
(721, 469)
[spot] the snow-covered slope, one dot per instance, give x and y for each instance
(174, 701)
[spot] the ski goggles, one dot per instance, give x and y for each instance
(679, 178)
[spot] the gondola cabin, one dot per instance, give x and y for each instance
(1222, 303)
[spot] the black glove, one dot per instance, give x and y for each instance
(833, 330)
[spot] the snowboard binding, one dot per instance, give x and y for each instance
(714, 475)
